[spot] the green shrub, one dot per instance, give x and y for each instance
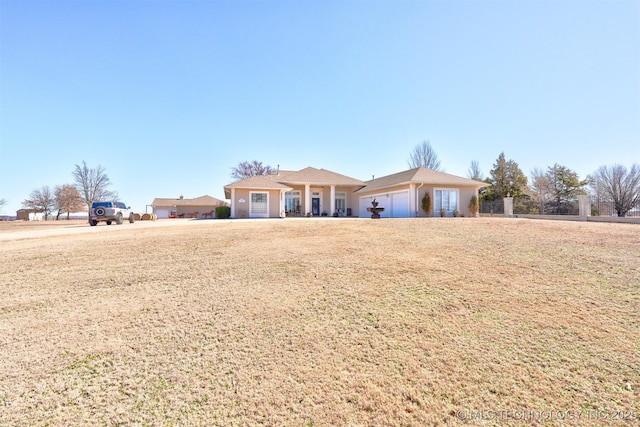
(223, 212)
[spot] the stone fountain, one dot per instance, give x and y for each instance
(375, 210)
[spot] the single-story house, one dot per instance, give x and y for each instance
(401, 193)
(315, 192)
(308, 192)
(200, 207)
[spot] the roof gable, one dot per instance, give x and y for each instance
(263, 182)
(420, 176)
(311, 175)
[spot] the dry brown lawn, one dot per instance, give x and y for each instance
(323, 322)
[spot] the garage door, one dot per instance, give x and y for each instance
(365, 202)
(400, 205)
(162, 213)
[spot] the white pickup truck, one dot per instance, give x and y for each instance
(109, 212)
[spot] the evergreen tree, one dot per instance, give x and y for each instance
(564, 186)
(505, 179)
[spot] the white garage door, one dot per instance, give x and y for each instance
(365, 202)
(162, 213)
(400, 205)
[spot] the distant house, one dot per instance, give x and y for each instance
(200, 207)
(315, 192)
(29, 215)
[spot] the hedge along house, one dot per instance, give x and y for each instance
(308, 192)
(401, 193)
(200, 207)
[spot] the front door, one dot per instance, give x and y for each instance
(315, 206)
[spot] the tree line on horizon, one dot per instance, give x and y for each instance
(551, 189)
(89, 185)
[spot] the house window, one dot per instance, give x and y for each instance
(446, 199)
(292, 202)
(259, 204)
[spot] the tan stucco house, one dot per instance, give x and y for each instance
(316, 192)
(199, 207)
(308, 192)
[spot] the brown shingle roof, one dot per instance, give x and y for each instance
(198, 201)
(420, 176)
(310, 175)
(268, 182)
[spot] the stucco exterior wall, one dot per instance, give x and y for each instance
(464, 197)
(351, 200)
(242, 202)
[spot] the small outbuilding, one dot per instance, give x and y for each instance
(29, 215)
(201, 207)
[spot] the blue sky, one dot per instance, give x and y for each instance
(168, 96)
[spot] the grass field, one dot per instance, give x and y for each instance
(323, 322)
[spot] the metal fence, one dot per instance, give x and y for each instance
(531, 207)
(599, 208)
(495, 207)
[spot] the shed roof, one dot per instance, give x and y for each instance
(198, 201)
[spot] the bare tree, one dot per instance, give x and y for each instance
(474, 171)
(92, 184)
(42, 200)
(2, 203)
(423, 155)
(254, 168)
(619, 186)
(68, 200)
(540, 188)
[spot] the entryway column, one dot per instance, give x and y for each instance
(413, 207)
(307, 199)
(508, 207)
(332, 204)
(233, 203)
(584, 206)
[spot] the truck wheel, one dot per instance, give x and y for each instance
(119, 219)
(131, 218)
(108, 222)
(93, 223)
